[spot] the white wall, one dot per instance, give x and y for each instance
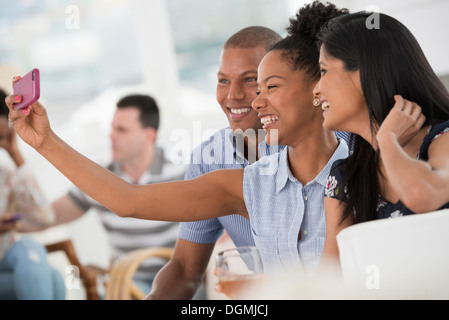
(426, 19)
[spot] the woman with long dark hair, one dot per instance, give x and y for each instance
(377, 84)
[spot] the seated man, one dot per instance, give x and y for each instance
(137, 159)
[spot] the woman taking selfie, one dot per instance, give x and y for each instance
(282, 195)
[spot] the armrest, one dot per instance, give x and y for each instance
(120, 285)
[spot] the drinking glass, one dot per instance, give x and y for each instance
(239, 271)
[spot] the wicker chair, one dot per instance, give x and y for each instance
(120, 285)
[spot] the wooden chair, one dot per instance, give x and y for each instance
(120, 285)
(88, 277)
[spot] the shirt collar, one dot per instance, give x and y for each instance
(238, 155)
(233, 138)
(284, 173)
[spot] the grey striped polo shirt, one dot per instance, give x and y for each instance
(127, 234)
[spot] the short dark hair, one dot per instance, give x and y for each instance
(252, 37)
(149, 111)
(4, 111)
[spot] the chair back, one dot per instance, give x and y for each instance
(404, 257)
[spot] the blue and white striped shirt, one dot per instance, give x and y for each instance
(212, 155)
(280, 207)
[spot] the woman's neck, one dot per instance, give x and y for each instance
(309, 156)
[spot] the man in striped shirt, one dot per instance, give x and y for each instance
(136, 159)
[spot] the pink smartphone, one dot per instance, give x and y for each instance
(29, 88)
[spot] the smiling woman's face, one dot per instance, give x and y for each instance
(341, 94)
(285, 99)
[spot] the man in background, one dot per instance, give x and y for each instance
(137, 159)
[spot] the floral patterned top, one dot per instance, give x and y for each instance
(20, 193)
(335, 189)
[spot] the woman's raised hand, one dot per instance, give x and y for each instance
(31, 123)
(403, 122)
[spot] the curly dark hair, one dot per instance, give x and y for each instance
(4, 111)
(300, 48)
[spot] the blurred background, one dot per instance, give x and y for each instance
(92, 52)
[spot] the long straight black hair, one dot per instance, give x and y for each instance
(390, 62)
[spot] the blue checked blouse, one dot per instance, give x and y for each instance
(280, 207)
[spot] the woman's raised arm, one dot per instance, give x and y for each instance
(212, 195)
(420, 185)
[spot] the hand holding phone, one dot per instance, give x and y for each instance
(29, 88)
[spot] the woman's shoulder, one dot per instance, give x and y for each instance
(435, 131)
(268, 164)
(338, 167)
(334, 185)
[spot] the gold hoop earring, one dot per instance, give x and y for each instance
(316, 102)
